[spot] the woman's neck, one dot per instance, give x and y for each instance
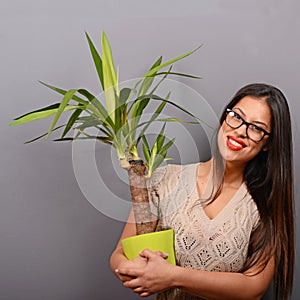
(233, 175)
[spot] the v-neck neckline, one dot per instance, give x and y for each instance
(230, 202)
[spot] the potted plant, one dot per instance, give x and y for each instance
(119, 122)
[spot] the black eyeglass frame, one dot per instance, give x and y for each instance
(228, 110)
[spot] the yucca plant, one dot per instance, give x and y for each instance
(119, 121)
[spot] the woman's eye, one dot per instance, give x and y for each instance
(236, 116)
(256, 128)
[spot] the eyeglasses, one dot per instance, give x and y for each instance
(254, 132)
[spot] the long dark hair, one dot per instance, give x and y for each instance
(269, 179)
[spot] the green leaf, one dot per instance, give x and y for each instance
(176, 120)
(124, 95)
(88, 121)
(145, 142)
(63, 92)
(157, 154)
(161, 155)
(43, 135)
(153, 151)
(136, 114)
(155, 97)
(69, 139)
(146, 150)
(178, 74)
(139, 106)
(119, 145)
(156, 162)
(105, 140)
(91, 121)
(147, 82)
(109, 77)
(74, 117)
(126, 135)
(87, 136)
(68, 96)
(97, 60)
(49, 107)
(164, 149)
(96, 107)
(120, 111)
(112, 119)
(106, 131)
(154, 70)
(94, 123)
(161, 138)
(160, 81)
(153, 117)
(39, 115)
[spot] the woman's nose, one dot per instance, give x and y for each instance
(242, 131)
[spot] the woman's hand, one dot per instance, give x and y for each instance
(154, 277)
(137, 263)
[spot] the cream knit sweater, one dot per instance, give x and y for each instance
(218, 244)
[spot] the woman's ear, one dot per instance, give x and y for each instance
(266, 146)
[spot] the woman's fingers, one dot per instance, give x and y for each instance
(139, 290)
(151, 254)
(143, 292)
(162, 254)
(131, 272)
(132, 284)
(124, 278)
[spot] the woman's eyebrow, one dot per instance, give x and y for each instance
(240, 110)
(254, 122)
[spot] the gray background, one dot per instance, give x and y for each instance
(53, 243)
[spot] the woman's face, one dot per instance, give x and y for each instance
(234, 144)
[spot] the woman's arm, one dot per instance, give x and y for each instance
(118, 256)
(225, 285)
(159, 275)
(118, 259)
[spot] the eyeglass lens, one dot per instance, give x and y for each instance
(254, 132)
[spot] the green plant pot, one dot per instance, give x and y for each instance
(154, 241)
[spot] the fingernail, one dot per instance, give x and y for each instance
(165, 254)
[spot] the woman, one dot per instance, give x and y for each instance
(233, 215)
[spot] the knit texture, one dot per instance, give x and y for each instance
(219, 244)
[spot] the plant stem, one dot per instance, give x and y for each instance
(145, 220)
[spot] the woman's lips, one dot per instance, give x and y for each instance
(235, 144)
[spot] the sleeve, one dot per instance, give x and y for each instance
(166, 189)
(256, 219)
(155, 184)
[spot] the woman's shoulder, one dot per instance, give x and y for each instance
(170, 174)
(173, 170)
(170, 184)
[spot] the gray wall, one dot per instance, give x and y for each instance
(54, 243)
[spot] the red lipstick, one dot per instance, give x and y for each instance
(235, 144)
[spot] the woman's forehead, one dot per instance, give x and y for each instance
(254, 109)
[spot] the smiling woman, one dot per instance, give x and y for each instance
(250, 139)
(232, 215)
(253, 131)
